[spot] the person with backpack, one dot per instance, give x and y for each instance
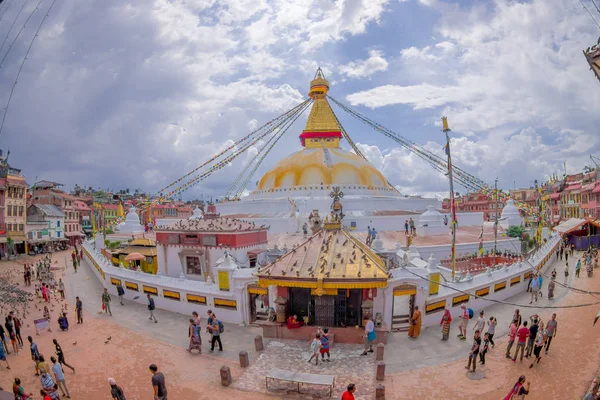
(465, 316)
(115, 391)
(217, 329)
(121, 293)
(151, 307)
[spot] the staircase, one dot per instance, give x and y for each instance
(400, 323)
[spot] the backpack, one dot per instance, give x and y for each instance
(221, 326)
(151, 304)
(470, 310)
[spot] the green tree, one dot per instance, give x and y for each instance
(10, 246)
(515, 231)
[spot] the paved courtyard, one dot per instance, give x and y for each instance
(347, 365)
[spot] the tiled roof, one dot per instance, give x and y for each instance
(223, 224)
(50, 210)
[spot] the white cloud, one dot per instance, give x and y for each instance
(364, 68)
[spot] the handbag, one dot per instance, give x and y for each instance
(371, 336)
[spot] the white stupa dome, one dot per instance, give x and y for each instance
(431, 217)
(132, 223)
(197, 214)
(510, 215)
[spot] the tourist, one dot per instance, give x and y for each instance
(413, 230)
(492, 330)
(474, 352)
(551, 328)
(35, 354)
(194, 335)
(567, 256)
(47, 314)
(19, 391)
(10, 329)
(445, 324)
(518, 390)
(3, 339)
(406, 227)
(59, 375)
(535, 288)
(209, 320)
(463, 323)
(106, 302)
(120, 293)
(415, 324)
(566, 272)
(43, 365)
(522, 335)
(551, 286)
(517, 316)
(49, 388)
(369, 336)
(158, 383)
(532, 335)
(484, 348)
(44, 291)
(540, 280)
(196, 319)
(480, 323)
(540, 341)
(315, 347)
(577, 268)
(3, 357)
(63, 323)
(217, 327)
(61, 356)
(349, 393)
(324, 344)
(61, 288)
(151, 307)
(115, 391)
(562, 251)
(79, 310)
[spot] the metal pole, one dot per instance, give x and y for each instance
(496, 218)
(446, 129)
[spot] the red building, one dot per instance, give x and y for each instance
(475, 202)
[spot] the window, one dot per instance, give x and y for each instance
(209, 240)
(20, 211)
(9, 211)
(39, 235)
(30, 235)
(193, 265)
(21, 227)
(58, 224)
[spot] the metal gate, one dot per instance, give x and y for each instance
(324, 310)
(300, 302)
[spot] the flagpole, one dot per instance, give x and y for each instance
(495, 218)
(446, 129)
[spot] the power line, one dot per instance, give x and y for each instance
(12, 25)
(23, 62)
(591, 15)
(5, 9)
(594, 3)
(10, 46)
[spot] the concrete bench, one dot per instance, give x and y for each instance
(301, 378)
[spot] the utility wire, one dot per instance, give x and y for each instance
(591, 15)
(21, 30)
(5, 9)
(23, 62)
(594, 3)
(12, 25)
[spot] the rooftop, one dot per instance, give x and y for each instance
(225, 224)
(49, 210)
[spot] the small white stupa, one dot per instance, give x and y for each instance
(431, 222)
(510, 215)
(132, 223)
(196, 215)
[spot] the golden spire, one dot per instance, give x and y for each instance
(319, 86)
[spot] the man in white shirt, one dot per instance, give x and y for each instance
(480, 324)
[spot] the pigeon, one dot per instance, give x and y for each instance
(136, 297)
(75, 344)
(110, 337)
(106, 342)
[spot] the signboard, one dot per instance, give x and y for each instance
(44, 232)
(41, 324)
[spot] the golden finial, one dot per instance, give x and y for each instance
(319, 86)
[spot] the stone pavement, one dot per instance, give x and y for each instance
(403, 353)
(171, 328)
(347, 365)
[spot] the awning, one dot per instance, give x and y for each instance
(18, 239)
(574, 224)
(2, 239)
(70, 234)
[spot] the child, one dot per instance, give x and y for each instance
(324, 344)
(484, 348)
(315, 345)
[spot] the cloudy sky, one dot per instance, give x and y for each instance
(135, 93)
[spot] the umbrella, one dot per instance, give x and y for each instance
(134, 256)
(597, 316)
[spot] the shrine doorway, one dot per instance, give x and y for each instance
(403, 306)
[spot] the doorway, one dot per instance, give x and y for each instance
(403, 307)
(258, 302)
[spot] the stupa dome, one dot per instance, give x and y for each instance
(316, 166)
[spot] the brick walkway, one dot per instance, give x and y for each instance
(347, 365)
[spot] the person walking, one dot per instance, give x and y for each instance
(61, 355)
(106, 302)
(17, 323)
(120, 293)
(445, 324)
(194, 334)
(415, 324)
(45, 293)
(577, 268)
(517, 317)
(566, 272)
(540, 340)
(158, 383)
(535, 288)
(3, 339)
(484, 348)
(518, 390)
(324, 344)
(217, 326)
(551, 328)
(115, 391)
(35, 354)
(61, 288)
(474, 352)
(522, 335)
(413, 230)
(533, 329)
(480, 323)
(369, 336)
(492, 330)
(59, 376)
(151, 308)
(79, 310)
(406, 227)
(551, 286)
(19, 391)
(315, 346)
(349, 393)
(3, 357)
(463, 323)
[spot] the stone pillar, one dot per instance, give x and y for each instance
(380, 392)
(258, 343)
(225, 376)
(380, 371)
(244, 361)
(379, 354)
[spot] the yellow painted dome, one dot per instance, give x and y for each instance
(316, 166)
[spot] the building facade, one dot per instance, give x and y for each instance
(66, 203)
(45, 226)
(15, 212)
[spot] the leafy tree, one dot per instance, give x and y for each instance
(10, 246)
(515, 231)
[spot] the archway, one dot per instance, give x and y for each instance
(403, 306)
